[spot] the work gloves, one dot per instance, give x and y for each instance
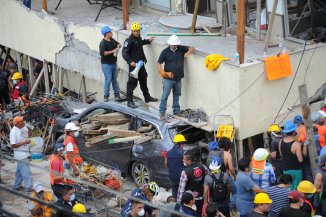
(165, 74)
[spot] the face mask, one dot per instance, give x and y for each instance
(63, 153)
(141, 212)
(184, 164)
(72, 197)
(194, 207)
(309, 196)
(76, 134)
(15, 82)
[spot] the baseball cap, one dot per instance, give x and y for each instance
(38, 187)
(295, 195)
(58, 147)
(17, 119)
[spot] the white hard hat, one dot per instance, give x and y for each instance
(173, 40)
(71, 127)
(260, 154)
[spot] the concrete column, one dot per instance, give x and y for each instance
(46, 77)
(19, 63)
(240, 149)
(30, 71)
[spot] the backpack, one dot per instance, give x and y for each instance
(219, 190)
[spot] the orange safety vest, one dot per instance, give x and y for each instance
(46, 211)
(75, 153)
(322, 134)
(61, 169)
(302, 134)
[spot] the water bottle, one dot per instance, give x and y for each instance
(236, 58)
(116, 53)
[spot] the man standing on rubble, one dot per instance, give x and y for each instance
(133, 52)
(173, 59)
(19, 142)
(108, 51)
(72, 156)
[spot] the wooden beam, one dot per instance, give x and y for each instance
(224, 18)
(258, 21)
(37, 82)
(30, 71)
(45, 6)
(54, 76)
(19, 62)
(127, 139)
(125, 13)
(304, 100)
(60, 86)
(270, 25)
(194, 17)
(84, 90)
(241, 29)
(123, 133)
(240, 149)
(46, 77)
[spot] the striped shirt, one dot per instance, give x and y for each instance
(279, 197)
(264, 180)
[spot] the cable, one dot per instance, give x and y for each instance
(89, 184)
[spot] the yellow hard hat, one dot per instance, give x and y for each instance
(262, 198)
(135, 26)
(179, 138)
(274, 128)
(79, 208)
(306, 187)
(17, 75)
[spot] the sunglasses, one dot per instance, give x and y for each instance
(60, 149)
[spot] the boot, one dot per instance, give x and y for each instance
(151, 99)
(131, 104)
(106, 98)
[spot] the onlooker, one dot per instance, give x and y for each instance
(262, 204)
(66, 202)
(217, 188)
(307, 189)
(37, 209)
(246, 188)
(279, 195)
(187, 204)
(320, 183)
(146, 193)
(291, 153)
(170, 204)
(276, 135)
(20, 87)
(72, 157)
(4, 87)
(301, 129)
(20, 144)
(108, 51)
(296, 198)
(56, 165)
(133, 52)
(174, 162)
(173, 58)
(137, 209)
(262, 173)
(192, 178)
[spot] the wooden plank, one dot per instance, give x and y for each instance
(96, 124)
(101, 138)
(115, 121)
(46, 77)
(241, 11)
(125, 13)
(110, 116)
(88, 127)
(194, 17)
(126, 139)
(143, 139)
(93, 132)
(123, 133)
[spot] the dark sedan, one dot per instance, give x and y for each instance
(142, 160)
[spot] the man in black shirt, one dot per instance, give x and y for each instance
(296, 198)
(173, 59)
(66, 202)
(108, 51)
(133, 52)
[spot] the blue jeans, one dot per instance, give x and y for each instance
(23, 174)
(27, 3)
(110, 75)
(233, 193)
(175, 86)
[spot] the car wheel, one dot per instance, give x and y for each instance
(141, 173)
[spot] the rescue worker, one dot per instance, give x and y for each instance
(20, 87)
(133, 52)
(320, 184)
(192, 178)
(146, 193)
(56, 164)
(174, 162)
(217, 187)
(276, 135)
(20, 143)
(173, 58)
(108, 50)
(301, 129)
(292, 156)
(137, 209)
(293, 210)
(72, 156)
(320, 122)
(66, 202)
(187, 204)
(37, 209)
(262, 204)
(307, 189)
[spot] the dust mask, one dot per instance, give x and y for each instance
(141, 212)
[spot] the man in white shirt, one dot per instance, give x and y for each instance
(20, 143)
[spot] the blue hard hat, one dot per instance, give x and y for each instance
(58, 147)
(105, 29)
(289, 127)
(298, 119)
